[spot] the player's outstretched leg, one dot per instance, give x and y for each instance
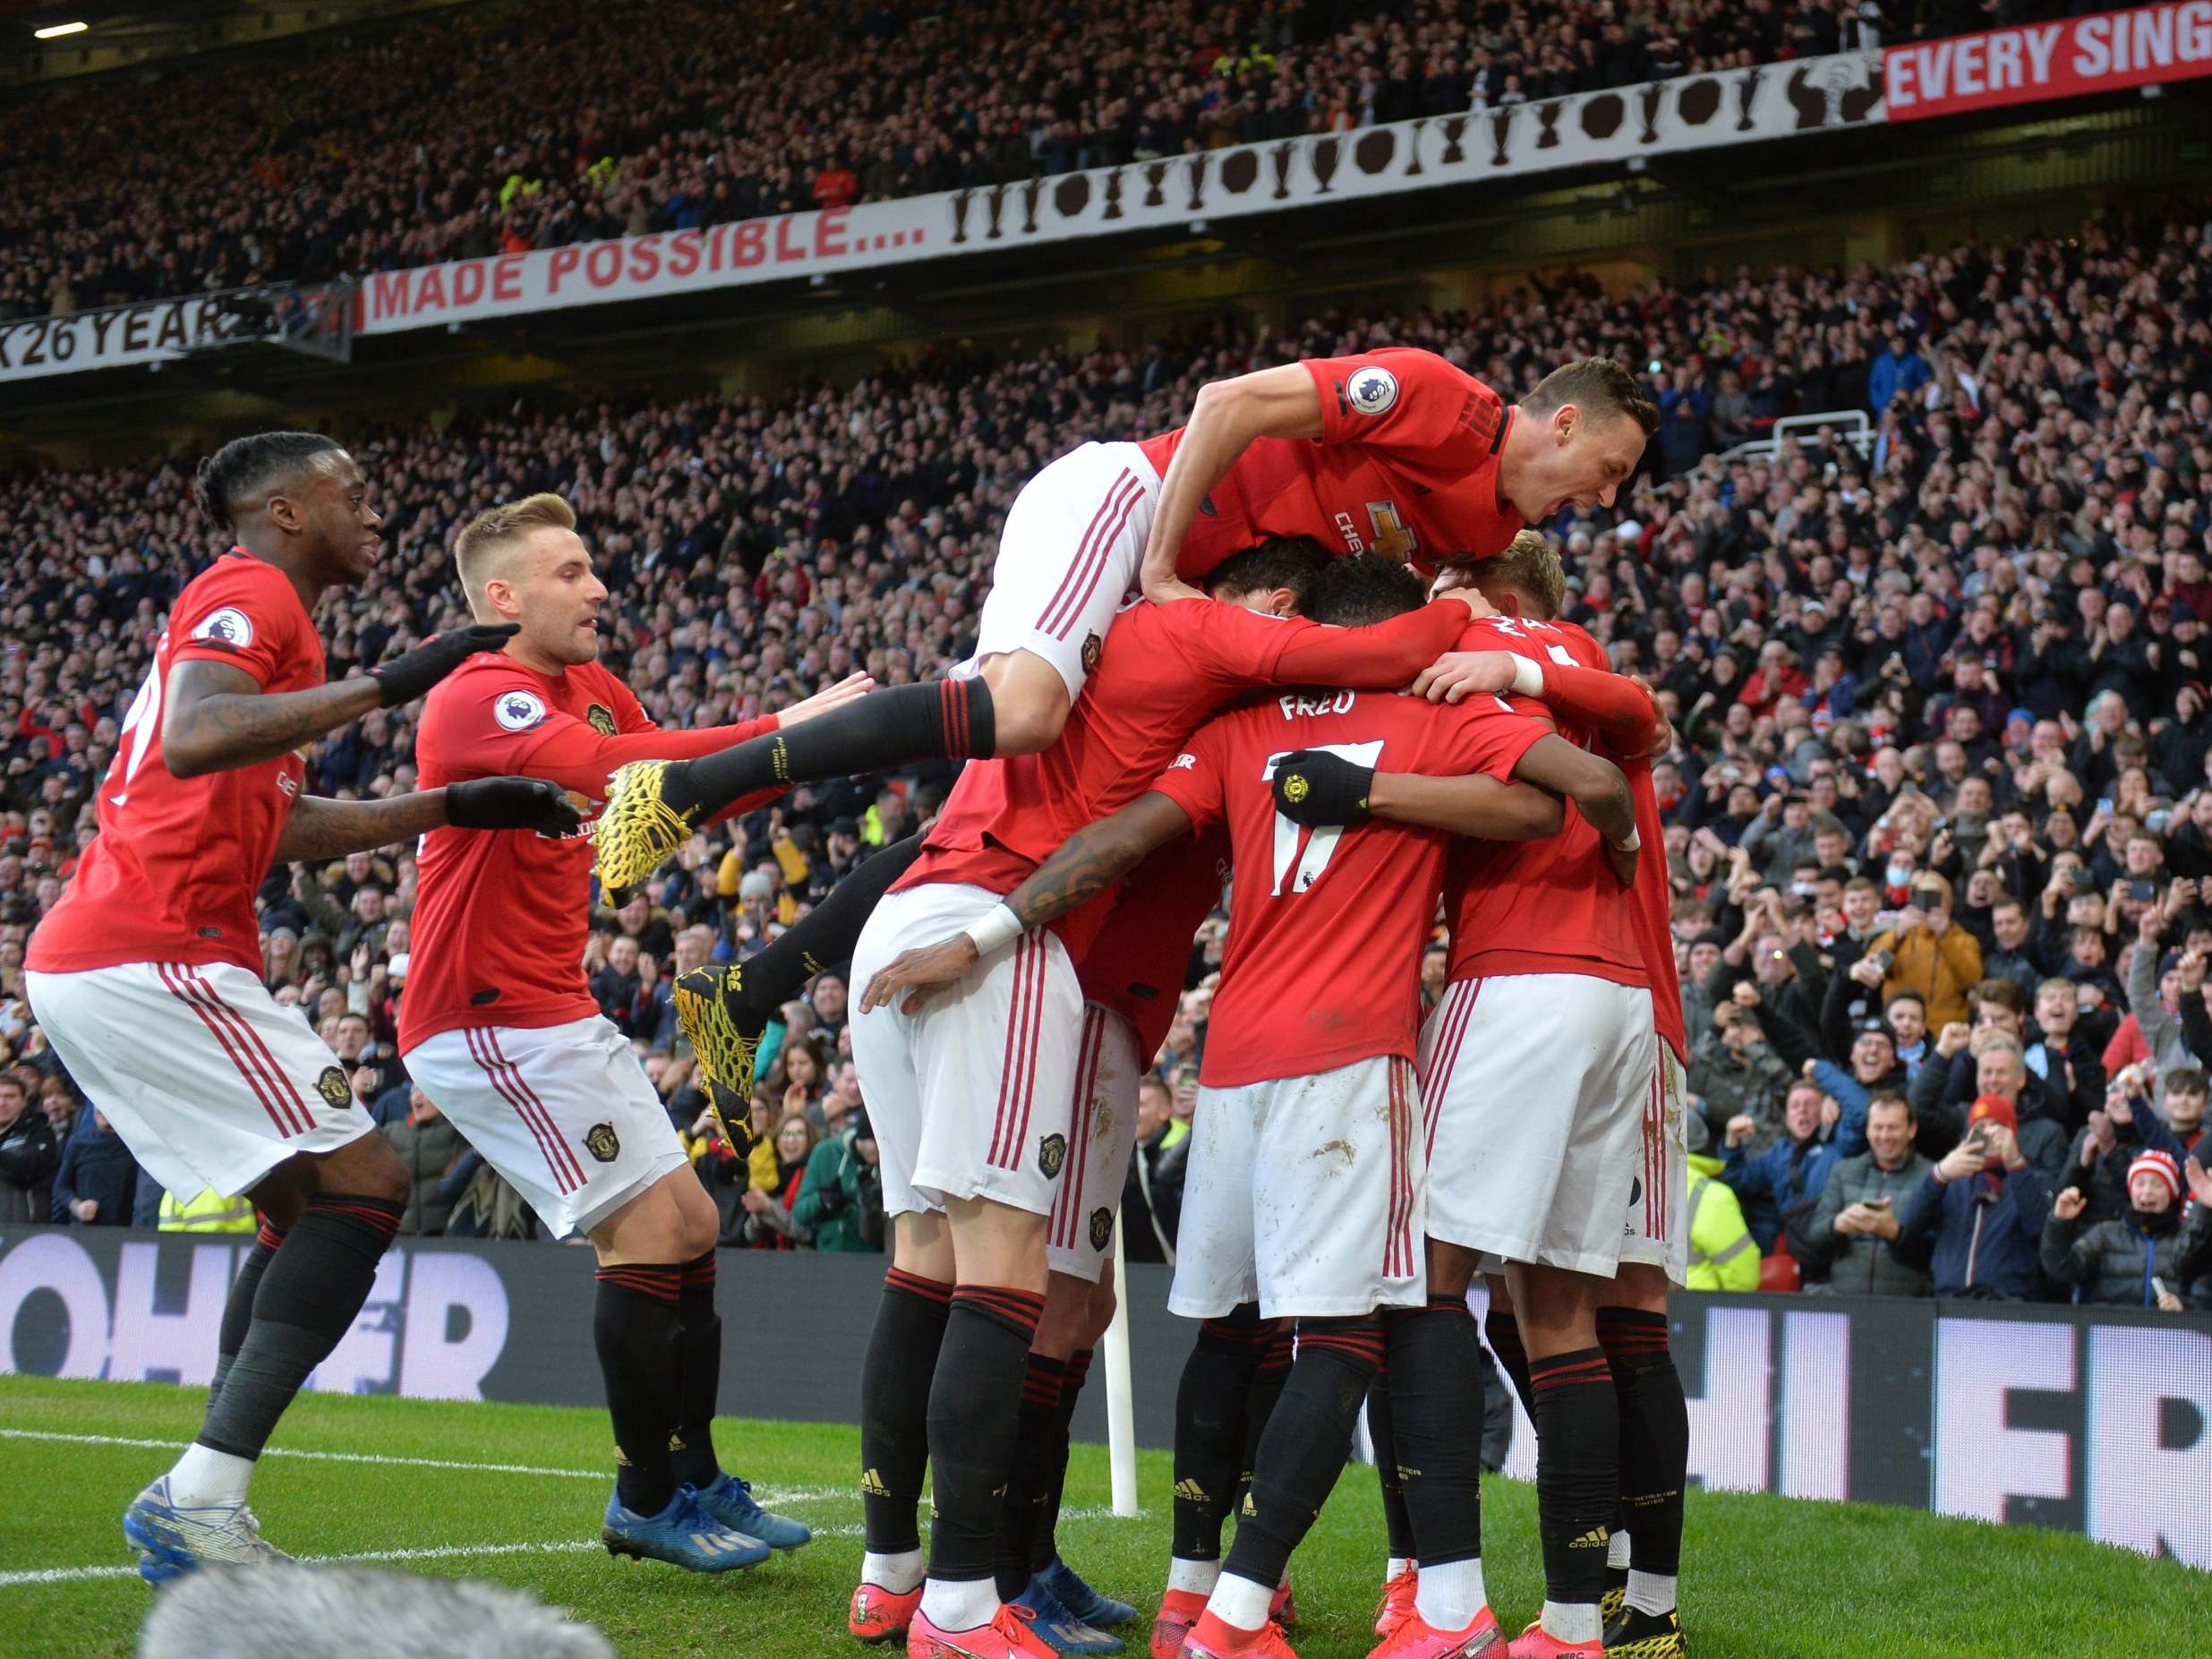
(691, 1451)
(1578, 1457)
(652, 805)
(1439, 1440)
(894, 1442)
(725, 1007)
(312, 1286)
(1307, 1437)
(1212, 1404)
(1655, 1465)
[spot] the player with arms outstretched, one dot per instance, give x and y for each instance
(1395, 451)
(1312, 1037)
(1567, 1173)
(147, 976)
(500, 1029)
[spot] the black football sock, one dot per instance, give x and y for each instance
(1654, 1436)
(1030, 1477)
(1044, 1542)
(698, 1376)
(937, 720)
(1435, 1371)
(1504, 1333)
(1212, 1402)
(1307, 1437)
(238, 1307)
(1259, 1402)
(1577, 1470)
(975, 1403)
(822, 938)
(635, 1322)
(311, 1289)
(894, 1411)
(1397, 1526)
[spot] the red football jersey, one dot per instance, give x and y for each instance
(172, 875)
(1406, 465)
(501, 916)
(1135, 965)
(1164, 670)
(1552, 905)
(1325, 925)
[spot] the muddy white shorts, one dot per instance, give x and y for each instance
(1657, 1232)
(971, 1096)
(1101, 1135)
(1534, 1089)
(564, 1113)
(209, 1082)
(1068, 557)
(1305, 1194)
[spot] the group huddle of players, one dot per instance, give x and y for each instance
(1351, 1169)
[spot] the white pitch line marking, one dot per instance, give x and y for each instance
(75, 1574)
(764, 1497)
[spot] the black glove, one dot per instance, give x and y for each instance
(411, 674)
(512, 803)
(834, 1199)
(1314, 787)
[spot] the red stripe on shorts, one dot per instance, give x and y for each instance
(180, 986)
(496, 1075)
(1090, 560)
(281, 1080)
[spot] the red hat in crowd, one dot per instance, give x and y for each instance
(1994, 1109)
(2159, 1164)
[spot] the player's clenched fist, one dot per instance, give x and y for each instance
(411, 674)
(1315, 787)
(512, 803)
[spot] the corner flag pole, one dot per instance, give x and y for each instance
(1120, 1417)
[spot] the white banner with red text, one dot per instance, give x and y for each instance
(1700, 112)
(2034, 61)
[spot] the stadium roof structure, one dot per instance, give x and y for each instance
(122, 34)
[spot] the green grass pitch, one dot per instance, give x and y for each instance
(1766, 1578)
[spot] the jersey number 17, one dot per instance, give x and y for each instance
(1302, 852)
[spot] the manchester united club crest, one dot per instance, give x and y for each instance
(1052, 1152)
(599, 718)
(1092, 646)
(600, 1142)
(333, 1087)
(1101, 1227)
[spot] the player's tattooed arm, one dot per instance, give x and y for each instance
(1096, 857)
(1087, 864)
(321, 828)
(215, 717)
(318, 827)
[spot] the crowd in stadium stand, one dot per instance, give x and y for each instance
(1940, 826)
(577, 119)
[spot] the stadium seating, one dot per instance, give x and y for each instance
(2028, 532)
(304, 163)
